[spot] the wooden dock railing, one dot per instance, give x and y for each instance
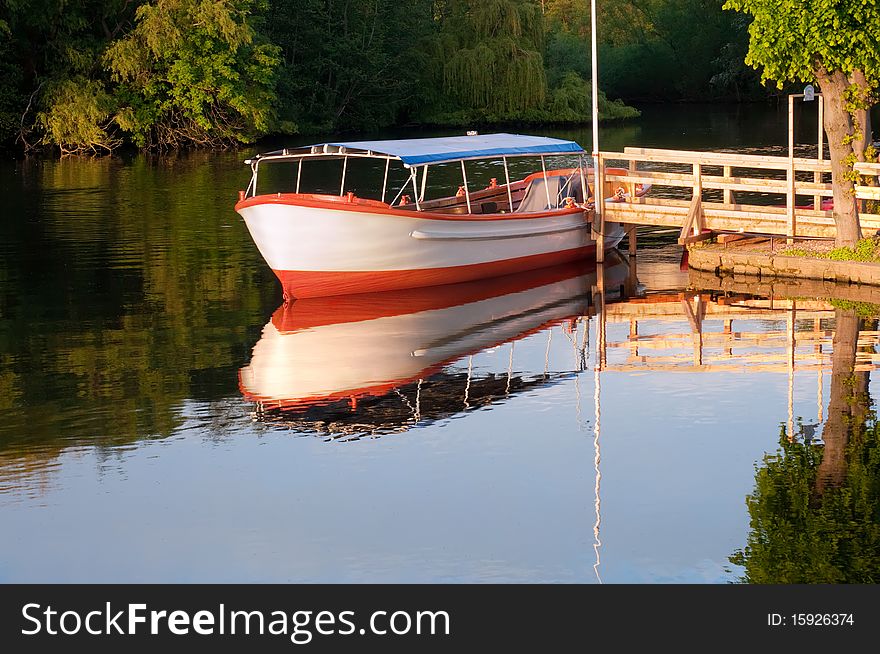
(759, 194)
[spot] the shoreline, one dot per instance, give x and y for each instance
(726, 261)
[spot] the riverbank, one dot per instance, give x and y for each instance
(774, 259)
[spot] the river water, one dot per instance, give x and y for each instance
(156, 426)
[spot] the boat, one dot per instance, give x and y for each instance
(324, 244)
(358, 363)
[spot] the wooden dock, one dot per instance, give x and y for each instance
(707, 193)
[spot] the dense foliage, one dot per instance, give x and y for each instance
(837, 44)
(89, 75)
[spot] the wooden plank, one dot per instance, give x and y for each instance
(868, 192)
(738, 160)
(644, 208)
(718, 159)
(696, 238)
(730, 238)
(747, 184)
(698, 219)
(722, 367)
(868, 167)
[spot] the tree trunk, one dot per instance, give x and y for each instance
(862, 116)
(841, 405)
(839, 127)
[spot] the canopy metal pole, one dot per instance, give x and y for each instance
(467, 195)
(424, 180)
(546, 184)
(344, 167)
(583, 169)
(256, 168)
(507, 178)
(385, 180)
(413, 175)
(299, 170)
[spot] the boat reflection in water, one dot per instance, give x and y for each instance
(384, 362)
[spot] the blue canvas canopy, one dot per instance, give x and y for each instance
(414, 152)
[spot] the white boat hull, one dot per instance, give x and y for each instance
(355, 247)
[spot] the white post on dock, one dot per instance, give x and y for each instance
(598, 199)
(790, 194)
(817, 176)
(598, 177)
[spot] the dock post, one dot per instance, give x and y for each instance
(698, 195)
(817, 176)
(790, 195)
(601, 344)
(728, 193)
(631, 240)
(599, 215)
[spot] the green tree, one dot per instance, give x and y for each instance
(349, 64)
(194, 72)
(837, 44)
(815, 510)
(53, 82)
(488, 59)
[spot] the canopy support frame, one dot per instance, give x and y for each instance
(507, 179)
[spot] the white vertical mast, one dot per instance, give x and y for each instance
(595, 65)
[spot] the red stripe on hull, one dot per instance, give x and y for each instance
(305, 283)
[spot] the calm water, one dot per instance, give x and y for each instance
(164, 417)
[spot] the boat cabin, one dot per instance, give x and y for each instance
(546, 190)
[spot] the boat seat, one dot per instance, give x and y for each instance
(535, 198)
(560, 187)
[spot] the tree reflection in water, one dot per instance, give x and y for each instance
(815, 509)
